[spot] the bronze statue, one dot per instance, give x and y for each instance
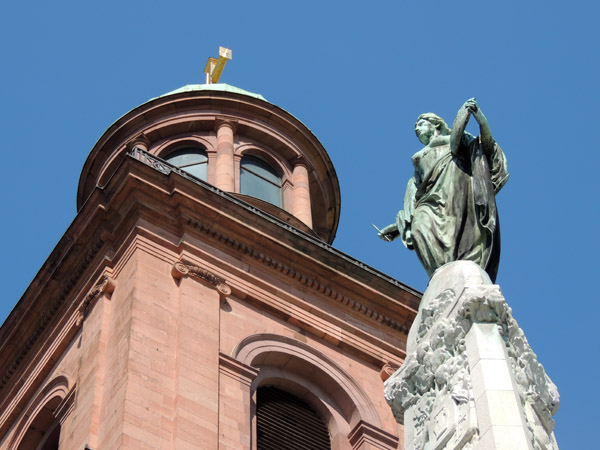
(449, 207)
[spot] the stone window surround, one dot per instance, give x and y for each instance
(193, 149)
(58, 387)
(224, 165)
(345, 408)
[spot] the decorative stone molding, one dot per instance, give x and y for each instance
(180, 270)
(56, 388)
(66, 406)
(319, 368)
(301, 277)
(52, 309)
(470, 378)
(106, 285)
(235, 369)
(374, 437)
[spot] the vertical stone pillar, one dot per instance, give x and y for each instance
(196, 413)
(235, 403)
(301, 194)
(502, 422)
(137, 389)
(224, 171)
(95, 322)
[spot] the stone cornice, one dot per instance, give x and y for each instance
(37, 365)
(104, 223)
(232, 201)
(50, 313)
(303, 278)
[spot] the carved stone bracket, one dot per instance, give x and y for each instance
(320, 286)
(181, 270)
(387, 371)
(106, 285)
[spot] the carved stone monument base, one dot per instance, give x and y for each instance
(470, 379)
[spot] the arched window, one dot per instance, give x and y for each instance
(345, 411)
(193, 160)
(284, 421)
(260, 180)
(44, 431)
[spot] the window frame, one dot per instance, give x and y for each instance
(262, 161)
(180, 151)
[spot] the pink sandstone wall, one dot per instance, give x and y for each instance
(153, 364)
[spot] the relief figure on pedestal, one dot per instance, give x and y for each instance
(449, 207)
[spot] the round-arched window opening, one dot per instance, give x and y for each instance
(192, 160)
(284, 421)
(259, 179)
(44, 431)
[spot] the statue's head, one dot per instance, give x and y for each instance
(429, 125)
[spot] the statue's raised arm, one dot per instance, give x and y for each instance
(450, 208)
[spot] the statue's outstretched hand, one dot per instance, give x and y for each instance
(389, 233)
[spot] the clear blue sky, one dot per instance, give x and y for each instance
(357, 74)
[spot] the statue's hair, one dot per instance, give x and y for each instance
(436, 121)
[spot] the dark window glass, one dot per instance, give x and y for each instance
(193, 160)
(259, 180)
(284, 421)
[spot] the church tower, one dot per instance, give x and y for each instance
(196, 301)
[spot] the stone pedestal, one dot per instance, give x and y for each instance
(470, 379)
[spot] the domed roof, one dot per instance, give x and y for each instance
(223, 87)
(192, 112)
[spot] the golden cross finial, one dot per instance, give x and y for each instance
(214, 67)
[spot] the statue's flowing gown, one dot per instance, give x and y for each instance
(450, 208)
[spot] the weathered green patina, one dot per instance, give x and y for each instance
(223, 87)
(449, 207)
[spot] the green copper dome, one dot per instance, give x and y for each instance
(222, 87)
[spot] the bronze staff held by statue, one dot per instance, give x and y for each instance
(450, 207)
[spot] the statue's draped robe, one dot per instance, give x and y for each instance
(450, 208)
